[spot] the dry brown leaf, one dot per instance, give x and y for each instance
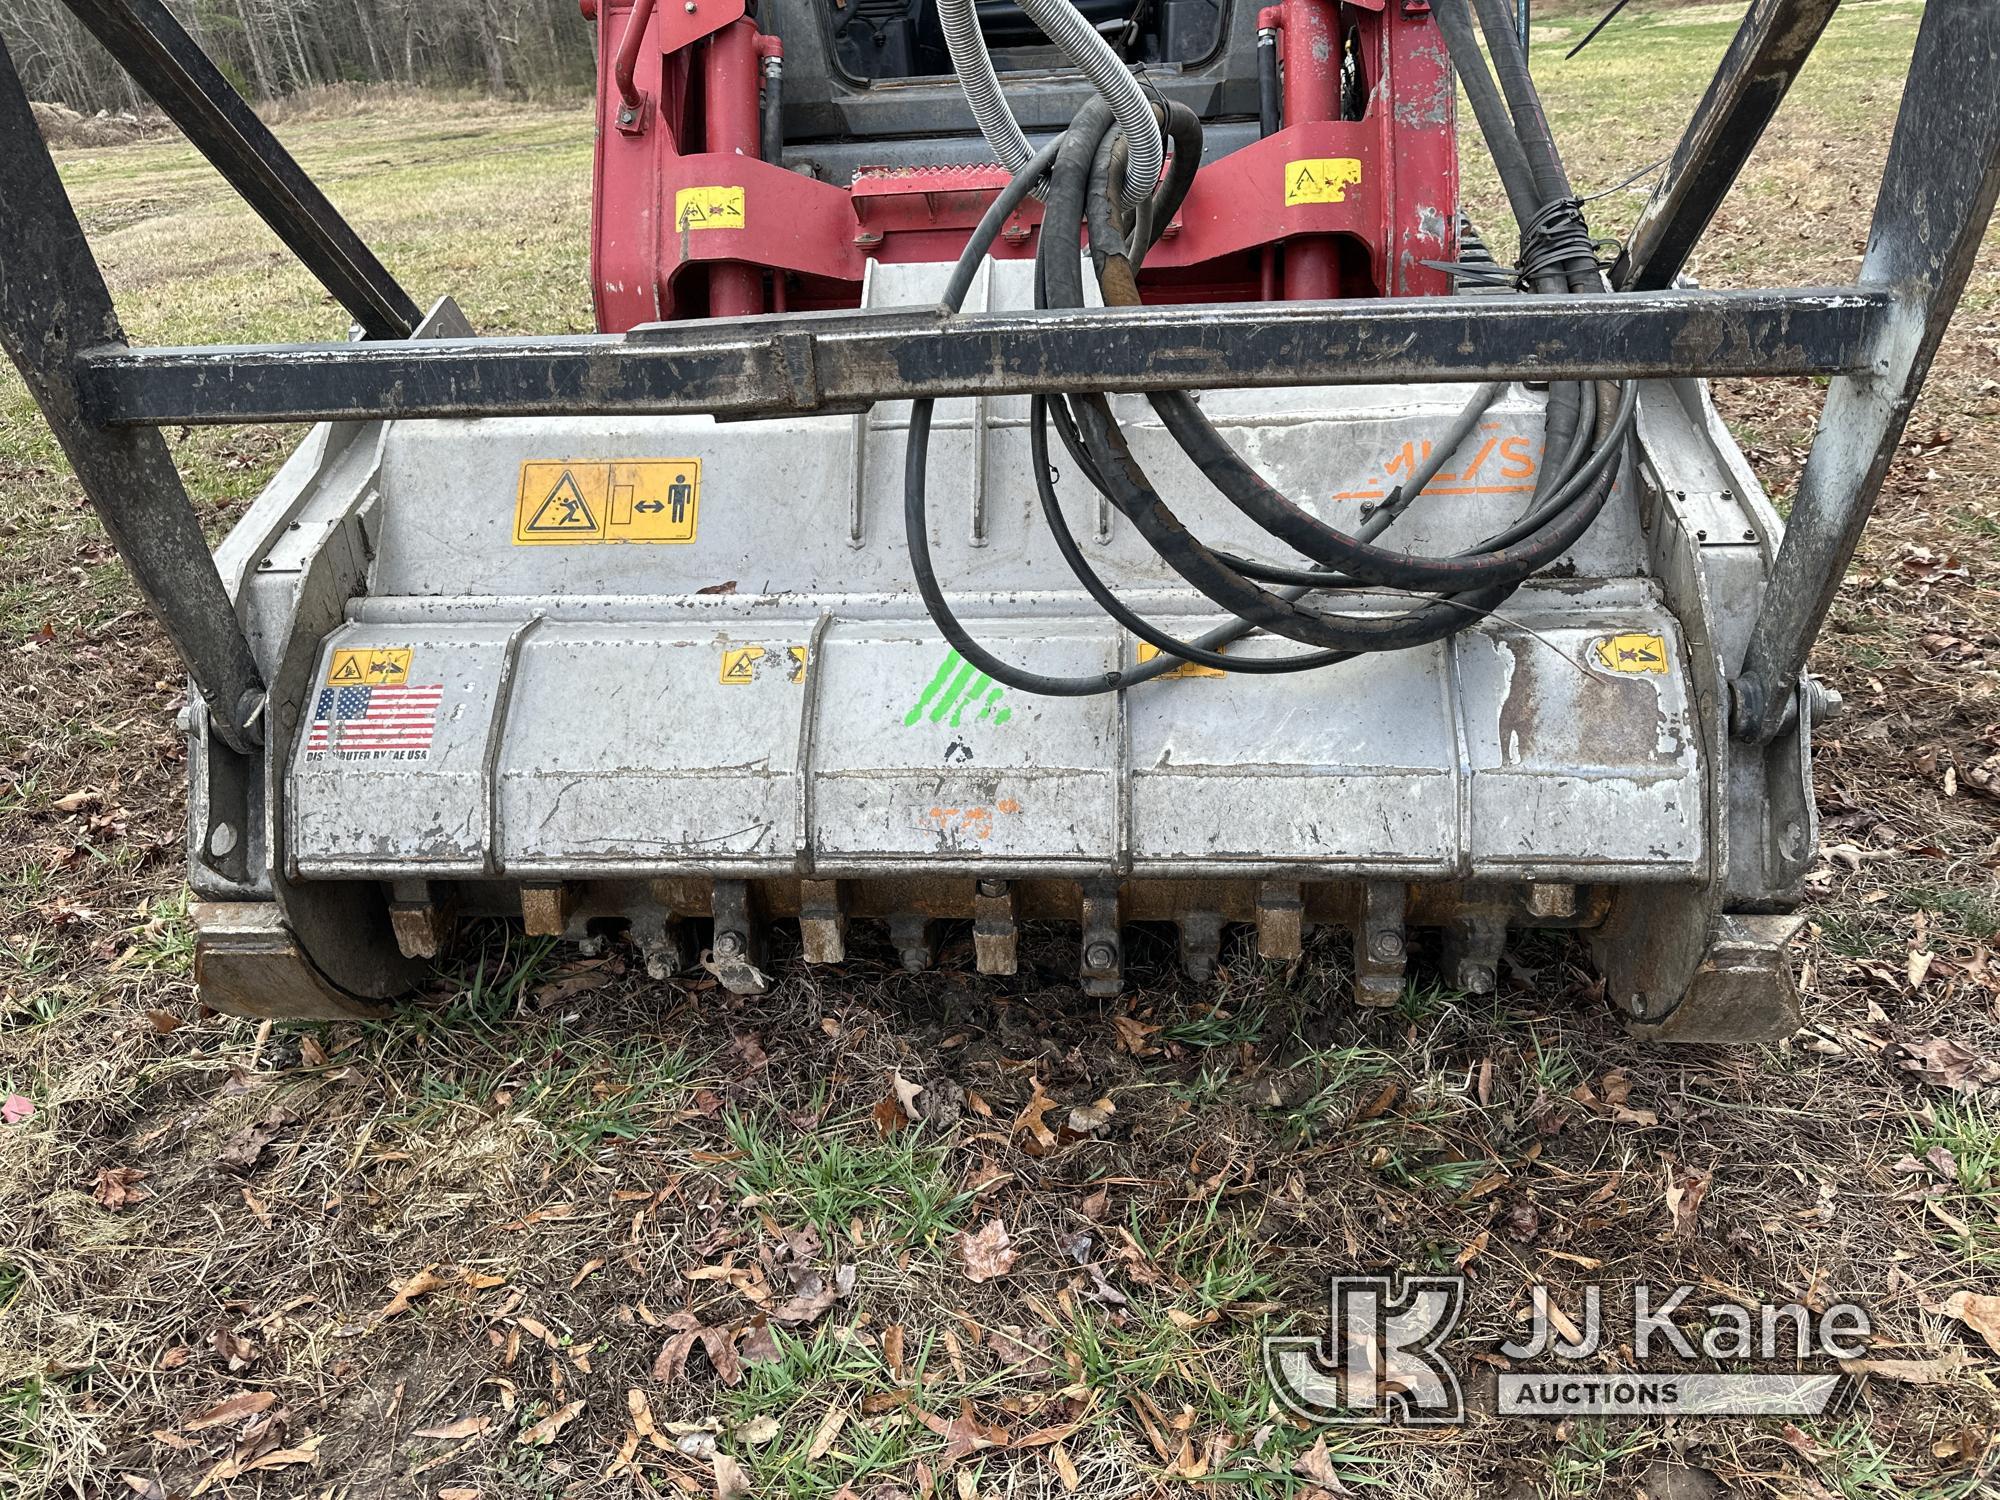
(1317, 1465)
(963, 1434)
(1031, 1130)
(1065, 1468)
(589, 1269)
(451, 1432)
(247, 1404)
(1545, 1305)
(1945, 1062)
(888, 1116)
(118, 1187)
(987, 1253)
(1686, 1187)
(544, 1432)
(422, 1284)
(827, 1434)
(458, 1492)
(758, 1345)
(892, 1351)
(1979, 1312)
(1132, 1036)
(732, 1482)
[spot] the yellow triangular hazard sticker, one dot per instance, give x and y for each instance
(565, 510)
(348, 669)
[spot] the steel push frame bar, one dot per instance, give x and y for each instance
(105, 400)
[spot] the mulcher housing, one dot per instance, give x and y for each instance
(616, 632)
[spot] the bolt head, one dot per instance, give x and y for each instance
(222, 839)
(1387, 944)
(1100, 956)
(689, 7)
(1476, 979)
(992, 887)
(729, 944)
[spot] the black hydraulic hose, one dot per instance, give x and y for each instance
(772, 132)
(916, 522)
(1276, 513)
(1127, 486)
(1531, 124)
(1517, 179)
(1267, 82)
(1582, 437)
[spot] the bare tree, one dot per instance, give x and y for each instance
(270, 48)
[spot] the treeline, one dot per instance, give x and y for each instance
(271, 48)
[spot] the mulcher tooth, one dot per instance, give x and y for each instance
(737, 954)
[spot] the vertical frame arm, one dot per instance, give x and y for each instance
(1751, 81)
(1937, 196)
(149, 43)
(53, 305)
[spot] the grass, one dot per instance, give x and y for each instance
(830, 1180)
(585, 1159)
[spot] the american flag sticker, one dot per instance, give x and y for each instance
(374, 723)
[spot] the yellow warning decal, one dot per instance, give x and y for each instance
(376, 666)
(737, 662)
(1320, 179)
(1147, 652)
(590, 500)
(798, 656)
(1632, 653)
(708, 208)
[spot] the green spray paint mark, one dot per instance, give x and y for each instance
(953, 688)
(956, 686)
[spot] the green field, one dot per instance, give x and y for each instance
(602, 1194)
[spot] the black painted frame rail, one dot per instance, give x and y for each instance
(802, 363)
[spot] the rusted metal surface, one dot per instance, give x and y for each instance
(802, 363)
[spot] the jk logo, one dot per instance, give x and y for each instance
(1379, 1361)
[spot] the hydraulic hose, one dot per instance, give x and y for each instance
(980, 84)
(1077, 40)
(1091, 176)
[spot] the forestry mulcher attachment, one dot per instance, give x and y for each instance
(1074, 463)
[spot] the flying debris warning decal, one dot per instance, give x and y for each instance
(1632, 653)
(373, 723)
(709, 208)
(373, 666)
(1320, 179)
(589, 500)
(739, 664)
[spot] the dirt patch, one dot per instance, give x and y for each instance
(62, 126)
